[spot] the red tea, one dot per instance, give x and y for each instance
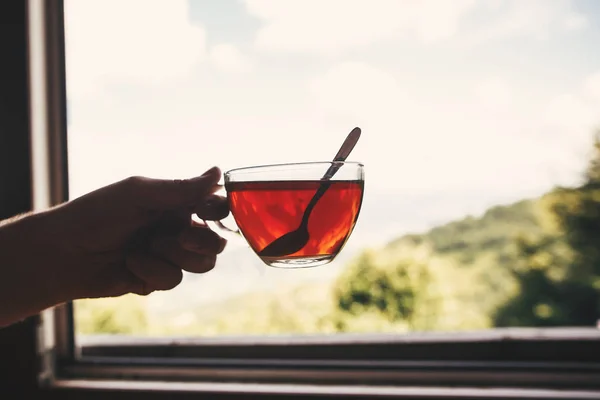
(265, 211)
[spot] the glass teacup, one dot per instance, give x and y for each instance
(290, 216)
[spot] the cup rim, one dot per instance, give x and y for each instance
(291, 164)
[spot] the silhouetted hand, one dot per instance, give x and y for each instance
(134, 236)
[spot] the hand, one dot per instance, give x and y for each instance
(135, 236)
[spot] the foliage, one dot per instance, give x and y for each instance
(394, 288)
(123, 315)
(410, 287)
(559, 273)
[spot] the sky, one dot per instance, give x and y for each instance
(463, 104)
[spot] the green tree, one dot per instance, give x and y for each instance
(542, 294)
(393, 288)
(121, 315)
(558, 273)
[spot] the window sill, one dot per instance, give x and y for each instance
(126, 389)
(556, 360)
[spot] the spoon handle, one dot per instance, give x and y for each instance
(343, 153)
(340, 157)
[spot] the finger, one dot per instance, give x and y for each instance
(170, 249)
(213, 208)
(153, 272)
(201, 239)
(172, 222)
(112, 282)
(170, 194)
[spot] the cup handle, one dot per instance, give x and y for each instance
(222, 226)
(219, 227)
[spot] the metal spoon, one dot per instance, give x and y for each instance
(295, 240)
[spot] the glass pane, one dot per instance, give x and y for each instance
(473, 115)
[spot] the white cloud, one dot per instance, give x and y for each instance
(134, 41)
(229, 58)
(490, 139)
(575, 21)
(571, 118)
(494, 93)
(360, 90)
(531, 18)
(592, 87)
(335, 26)
(569, 111)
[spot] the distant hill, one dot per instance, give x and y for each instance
(469, 238)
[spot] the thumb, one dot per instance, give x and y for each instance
(169, 194)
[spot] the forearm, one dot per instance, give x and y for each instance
(27, 282)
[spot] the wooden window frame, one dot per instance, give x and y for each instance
(41, 355)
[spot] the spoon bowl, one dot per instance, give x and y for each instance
(295, 240)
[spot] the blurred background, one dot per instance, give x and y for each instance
(479, 118)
